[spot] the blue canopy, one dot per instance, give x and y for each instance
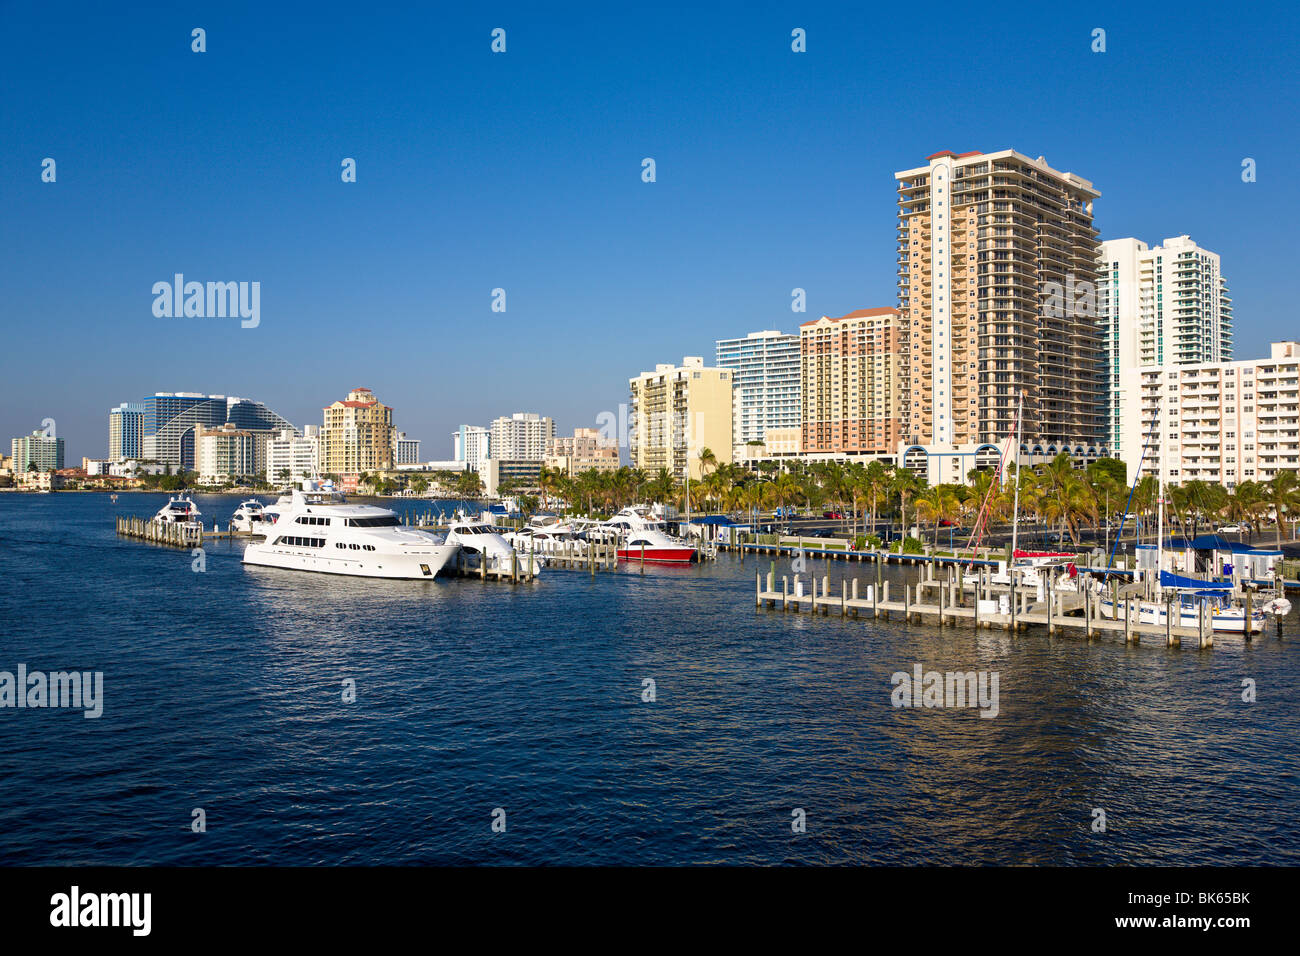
(721, 520)
(1214, 542)
(1170, 580)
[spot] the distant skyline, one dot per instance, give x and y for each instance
(523, 171)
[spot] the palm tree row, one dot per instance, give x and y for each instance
(1056, 494)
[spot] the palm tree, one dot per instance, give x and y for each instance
(1283, 495)
(662, 487)
(876, 479)
(785, 489)
(905, 485)
(547, 483)
(469, 484)
(708, 460)
(928, 508)
(1241, 504)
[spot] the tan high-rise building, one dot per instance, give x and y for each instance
(997, 266)
(677, 412)
(357, 435)
(852, 373)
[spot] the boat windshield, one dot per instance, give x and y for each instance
(383, 521)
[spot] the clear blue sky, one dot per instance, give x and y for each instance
(523, 171)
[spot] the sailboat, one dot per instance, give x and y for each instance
(1187, 599)
(1026, 568)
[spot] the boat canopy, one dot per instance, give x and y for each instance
(1214, 542)
(1183, 583)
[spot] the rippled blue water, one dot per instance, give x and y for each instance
(224, 691)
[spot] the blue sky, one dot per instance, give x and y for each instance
(522, 171)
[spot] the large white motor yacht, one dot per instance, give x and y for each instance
(479, 539)
(320, 531)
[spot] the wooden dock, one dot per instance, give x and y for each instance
(156, 532)
(174, 535)
(943, 601)
(517, 570)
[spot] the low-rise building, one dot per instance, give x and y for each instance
(522, 475)
(38, 480)
(584, 450)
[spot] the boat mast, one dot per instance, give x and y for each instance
(1015, 450)
(1160, 505)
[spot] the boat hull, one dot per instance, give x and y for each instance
(1151, 613)
(419, 565)
(658, 555)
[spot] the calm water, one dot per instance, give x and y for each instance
(223, 691)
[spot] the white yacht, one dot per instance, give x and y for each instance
(250, 516)
(1221, 612)
(320, 531)
(179, 510)
(1032, 569)
(643, 537)
(547, 535)
(479, 538)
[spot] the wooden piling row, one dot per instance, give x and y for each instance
(954, 602)
(157, 532)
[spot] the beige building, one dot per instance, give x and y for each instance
(357, 435)
(584, 450)
(997, 273)
(852, 373)
(1224, 422)
(676, 412)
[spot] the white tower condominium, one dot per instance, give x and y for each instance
(766, 384)
(1161, 305)
(472, 444)
(521, 437)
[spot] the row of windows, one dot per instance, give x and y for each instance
(355, 547)
(300, 542)
(311, 519)
(386, 521)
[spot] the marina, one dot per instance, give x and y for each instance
(472, 696)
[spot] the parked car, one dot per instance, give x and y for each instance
(833, 514)
(1233, 529)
